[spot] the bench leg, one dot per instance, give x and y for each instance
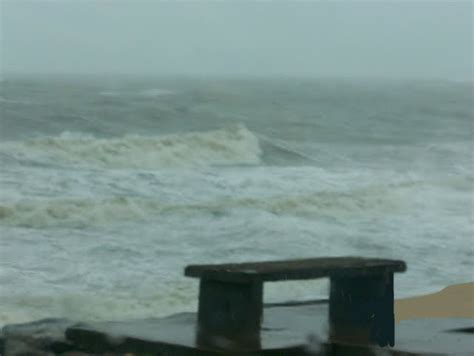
(229, 313)
(361, 309)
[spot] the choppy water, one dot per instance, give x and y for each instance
(110, 187)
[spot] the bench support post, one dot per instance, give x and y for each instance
(361, 309)
(229, 312)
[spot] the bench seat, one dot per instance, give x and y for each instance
(310, 268)
(361, 299)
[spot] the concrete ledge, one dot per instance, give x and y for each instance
(286, 331)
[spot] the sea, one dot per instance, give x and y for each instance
(110, 186)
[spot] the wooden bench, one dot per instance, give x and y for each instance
(361, 297)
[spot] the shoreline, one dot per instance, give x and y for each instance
(454, 301)
(450, 309)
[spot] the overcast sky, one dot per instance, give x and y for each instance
(407, 39)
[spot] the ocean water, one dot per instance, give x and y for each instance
(111, 186)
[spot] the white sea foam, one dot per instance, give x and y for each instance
(83, 213)
(93, 307)
(232, 146)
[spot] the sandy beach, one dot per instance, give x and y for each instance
(456, 301)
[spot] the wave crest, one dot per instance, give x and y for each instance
(232, 146)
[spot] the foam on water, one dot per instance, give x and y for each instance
(82, 213)
(98, 222)
(327, 201)
(230, 146)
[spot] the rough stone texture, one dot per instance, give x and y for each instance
(42, 337)
(285, 331)
(177, 335)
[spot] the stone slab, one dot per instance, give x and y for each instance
(42, 337)
(285, 331)
(294, 269)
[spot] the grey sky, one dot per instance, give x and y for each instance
(423, 39)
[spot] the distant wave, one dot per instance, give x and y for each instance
(12, 101)
(156, 92)
(232, 146)
(150, 93)
(109, 93)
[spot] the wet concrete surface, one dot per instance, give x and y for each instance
(285, 331)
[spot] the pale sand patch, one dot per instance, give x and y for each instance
(456, 301)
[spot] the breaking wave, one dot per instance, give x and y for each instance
(79, 213)
(232, 146)
(83, 213)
